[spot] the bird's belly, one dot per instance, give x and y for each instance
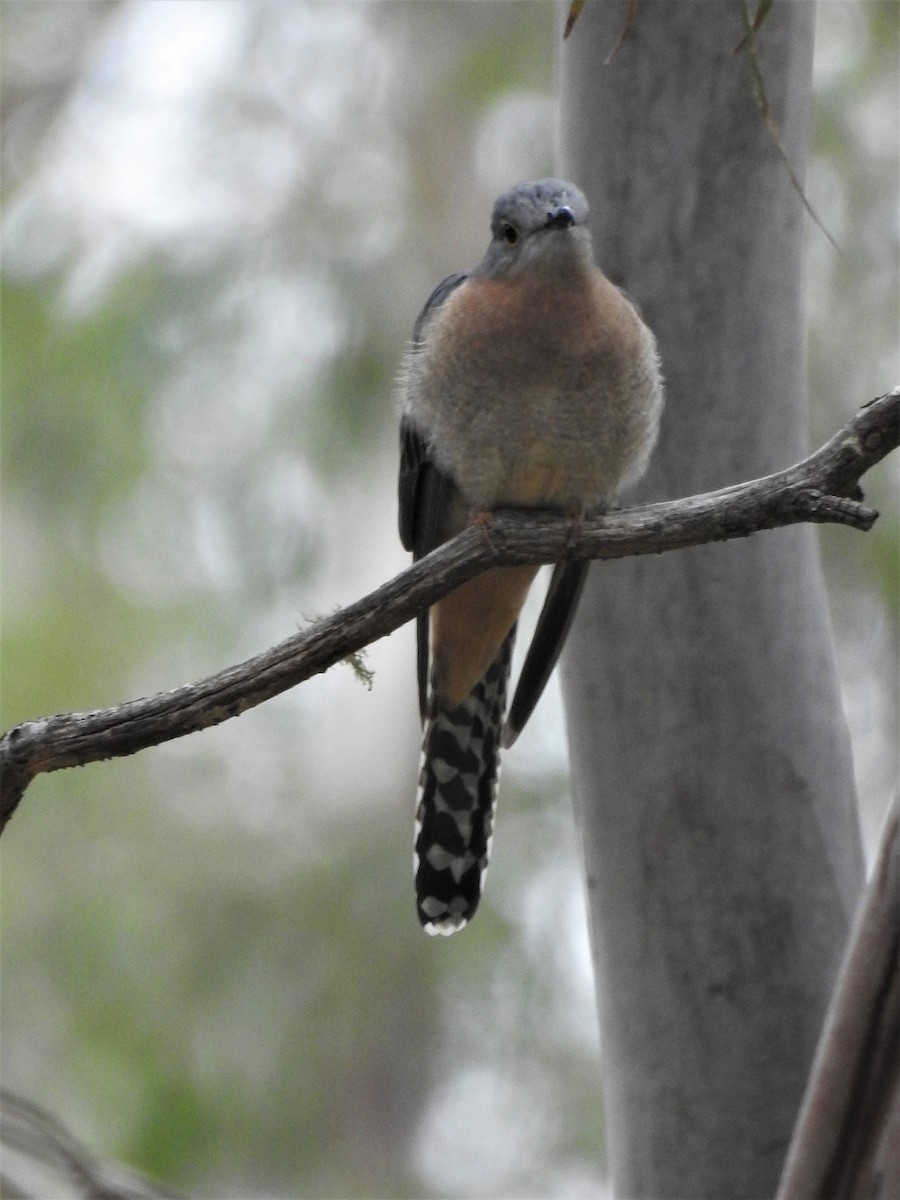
(532, 404)
(536, 452)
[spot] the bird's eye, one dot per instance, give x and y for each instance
(510, 233)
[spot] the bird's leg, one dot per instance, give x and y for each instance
(576, 524)
(482, 520)
(577, 518)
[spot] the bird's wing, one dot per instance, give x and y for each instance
(425, 492)
(563, 594)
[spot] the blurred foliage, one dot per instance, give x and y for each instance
(219, 223)
(854, 315)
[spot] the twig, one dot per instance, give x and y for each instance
(822, 488)
(748, 41)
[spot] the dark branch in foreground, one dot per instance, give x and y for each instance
(822, 488)
(846, 1140)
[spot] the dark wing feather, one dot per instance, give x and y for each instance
(563, 594)
(425, 492)
(414, 463)
(434, 301)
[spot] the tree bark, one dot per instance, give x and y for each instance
(710, 759)
(847, 1140)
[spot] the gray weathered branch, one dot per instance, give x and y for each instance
(822, 488)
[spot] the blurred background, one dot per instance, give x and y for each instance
(219, 222)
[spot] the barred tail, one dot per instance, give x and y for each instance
(458, 797)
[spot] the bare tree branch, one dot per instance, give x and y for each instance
(38, 1154)
(822, 488)
(846, 1139)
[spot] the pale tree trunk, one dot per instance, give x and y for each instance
(710, 758)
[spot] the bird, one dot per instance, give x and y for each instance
(530, 382)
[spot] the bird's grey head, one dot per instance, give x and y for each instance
(539, 225)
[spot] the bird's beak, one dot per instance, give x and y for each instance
(560, 218)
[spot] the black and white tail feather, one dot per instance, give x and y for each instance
(457, 799)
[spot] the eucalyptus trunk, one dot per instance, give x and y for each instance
(710, 758)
